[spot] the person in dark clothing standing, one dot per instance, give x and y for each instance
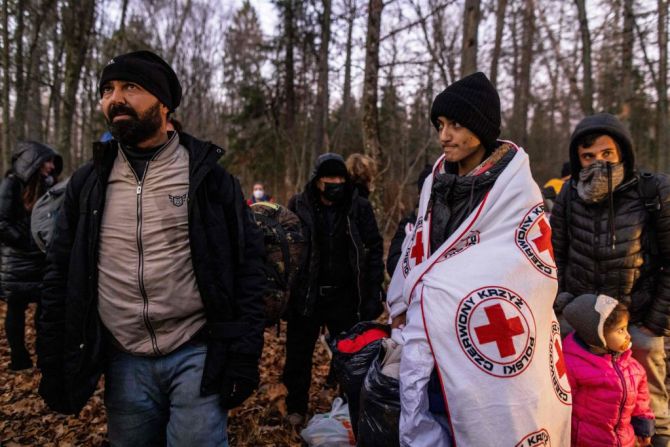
(35, 167)
(340, 276)
(155, 275)
(611, 235)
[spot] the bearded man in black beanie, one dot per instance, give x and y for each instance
(155, 275)
(339, 281)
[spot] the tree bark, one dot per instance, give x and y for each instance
(471, 16)
(290, 166)
(587, 90)
(346, 94)
(19, 121)
(78, 19)
(628, 42)
(321, 107)
(370, 112)
(497, 46)
(6, 82)
(662, 159)
(522, 91)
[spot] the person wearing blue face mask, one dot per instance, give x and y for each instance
(339, 281)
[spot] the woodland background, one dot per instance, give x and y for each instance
(276, 82)
(341, 75)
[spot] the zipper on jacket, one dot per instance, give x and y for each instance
(596, 264)
(623, 398)
(358, 269)
(140, 252)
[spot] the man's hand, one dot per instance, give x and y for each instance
(398, 321)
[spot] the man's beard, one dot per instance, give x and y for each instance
(135, 129)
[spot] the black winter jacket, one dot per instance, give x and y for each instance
(227, 252)
(365, 252)
(607, 247)
(587, 263)
(21, 261)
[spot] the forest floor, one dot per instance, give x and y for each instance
(26, 421)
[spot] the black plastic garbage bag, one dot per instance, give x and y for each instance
(379, 412)
(353, 352)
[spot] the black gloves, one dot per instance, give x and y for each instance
(240, 379)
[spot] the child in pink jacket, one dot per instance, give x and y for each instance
(610, 399)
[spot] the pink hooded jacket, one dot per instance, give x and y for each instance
(610, 399)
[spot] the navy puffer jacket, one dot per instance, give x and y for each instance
(21, 261)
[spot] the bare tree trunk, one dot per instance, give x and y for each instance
(124, 11)
(522, 93)
(471, 16)
(627, 62)
(662, 159)
(78, 19)
(19, 122)
(497, 46)
(587, 90)
(370, 112)
(290, 167)
(321, 106)
(346, 94)
(6, 82)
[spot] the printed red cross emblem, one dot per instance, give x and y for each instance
(543, 242)
(417, 250)
(500, 330)
(560, 363)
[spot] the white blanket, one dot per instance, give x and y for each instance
(481, 304)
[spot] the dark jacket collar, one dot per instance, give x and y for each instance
(201, 154)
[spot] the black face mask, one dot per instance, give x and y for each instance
(333, 191)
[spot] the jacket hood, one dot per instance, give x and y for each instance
(606, 124)
(587, 314)
(328, 157)
(29, 156)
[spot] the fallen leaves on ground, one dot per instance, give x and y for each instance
(26, 421)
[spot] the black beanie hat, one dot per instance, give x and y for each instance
(472, 102)
(147, 70)
(330, 164)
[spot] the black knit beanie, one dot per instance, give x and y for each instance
(330, 164)
(472, 102)
(147, 70)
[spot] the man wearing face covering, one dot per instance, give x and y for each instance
(340, 276)
(609, 239)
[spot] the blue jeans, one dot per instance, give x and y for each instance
(156, 401)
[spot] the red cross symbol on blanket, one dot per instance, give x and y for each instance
(417, 250)
(560, 363)
(543, 242)
(500, 330)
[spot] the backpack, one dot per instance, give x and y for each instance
(45, 211)
(284, 244)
